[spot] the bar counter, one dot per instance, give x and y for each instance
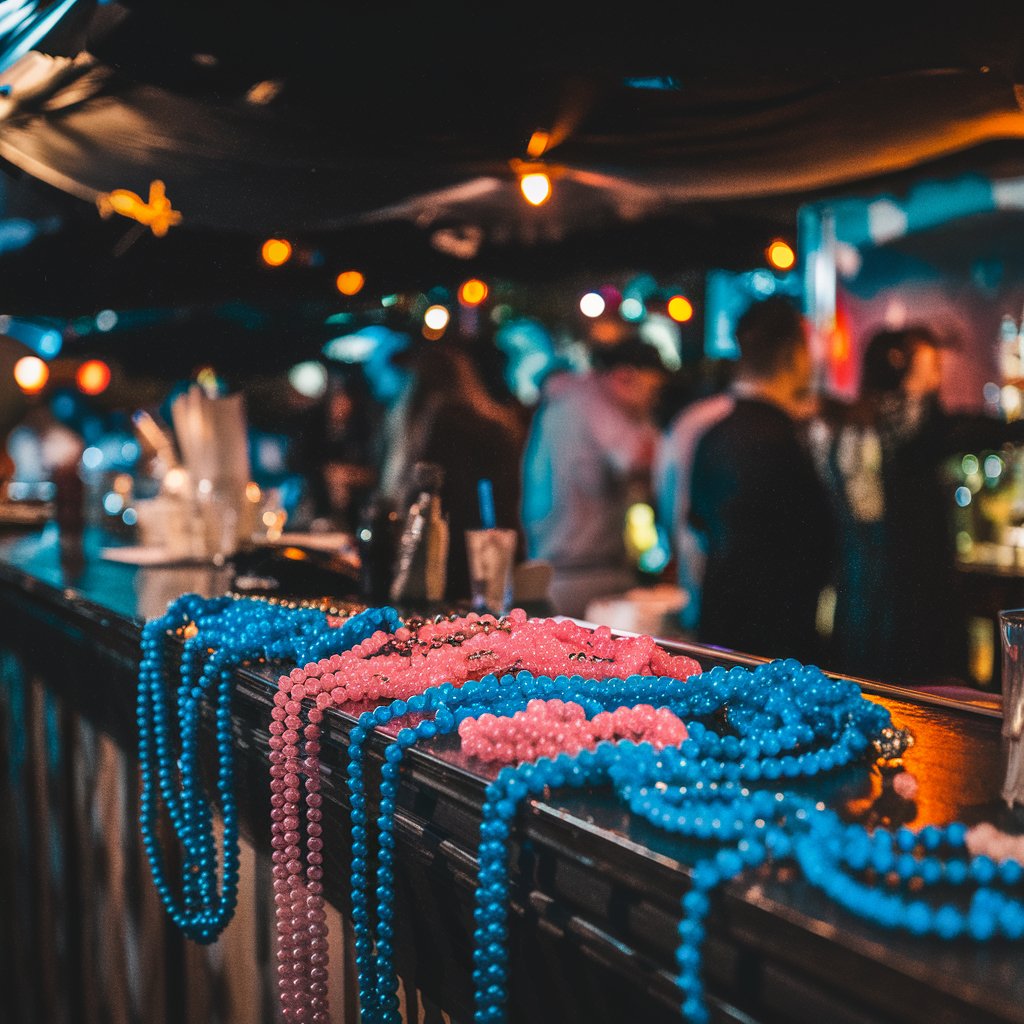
(595, 893)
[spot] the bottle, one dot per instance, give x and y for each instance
(377, 538)
(422, 569)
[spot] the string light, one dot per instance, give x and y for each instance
(350, 282)
(436, 317)
(276, 251)
(536, 187)
(93, 377)
(780, 254)
(31, 374)
(680, 309)
(473, 292)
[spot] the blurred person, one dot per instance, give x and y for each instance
(447, 415)
(900, 611)
(673, 467)
(757, 502)
(591, 445)
(41, 446)
(335, 451)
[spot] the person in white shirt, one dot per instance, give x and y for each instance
(591, 445)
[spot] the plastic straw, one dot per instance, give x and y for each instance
(485, 494)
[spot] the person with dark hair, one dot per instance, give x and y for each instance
(899, 606)
(757, 500)
(449, 417)
(591, 443)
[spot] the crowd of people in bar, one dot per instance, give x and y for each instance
(799, 525)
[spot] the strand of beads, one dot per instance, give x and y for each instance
(450, 706)
(416, 657)
(298, 888)
(546, 728)
(218, 634)
(841, 860)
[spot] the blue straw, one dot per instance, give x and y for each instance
(485, 494)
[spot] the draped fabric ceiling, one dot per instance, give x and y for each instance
(314, 117)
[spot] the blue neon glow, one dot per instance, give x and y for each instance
(662, 83)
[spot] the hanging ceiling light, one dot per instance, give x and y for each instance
(536, 187)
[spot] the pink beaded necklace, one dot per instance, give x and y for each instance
(548, 728)
(396, 666)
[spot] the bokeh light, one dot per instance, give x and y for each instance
(31, 374)
(436, 317)
(93, 377)
(780, 254)
(536, 187)
(106, 320)
(309, 379)
(276, 251)
(631, 309)
(680, 308)
(472, 292)
(350, 282)
(592, 304)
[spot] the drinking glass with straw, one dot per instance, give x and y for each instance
(491, 553)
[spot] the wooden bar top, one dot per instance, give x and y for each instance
(587, 872)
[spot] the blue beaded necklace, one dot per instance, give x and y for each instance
(220, 634)
(785, 722)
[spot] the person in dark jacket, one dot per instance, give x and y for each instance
(900, 612)
(758, 500)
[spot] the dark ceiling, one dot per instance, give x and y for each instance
(382, 136)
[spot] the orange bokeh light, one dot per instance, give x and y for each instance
(472, 292)
(276, 251)
(350, 282)
(31, 374)
(536, 187)
(780, 255)
(680, 308)
(93, 377)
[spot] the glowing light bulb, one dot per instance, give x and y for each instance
(780, 254)
(350, 282)
(31, 374)
(276, 251)
(536, 187)
(680, 308)
(472, 292)
(592, 304)
(436, 318)
(93, 377)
